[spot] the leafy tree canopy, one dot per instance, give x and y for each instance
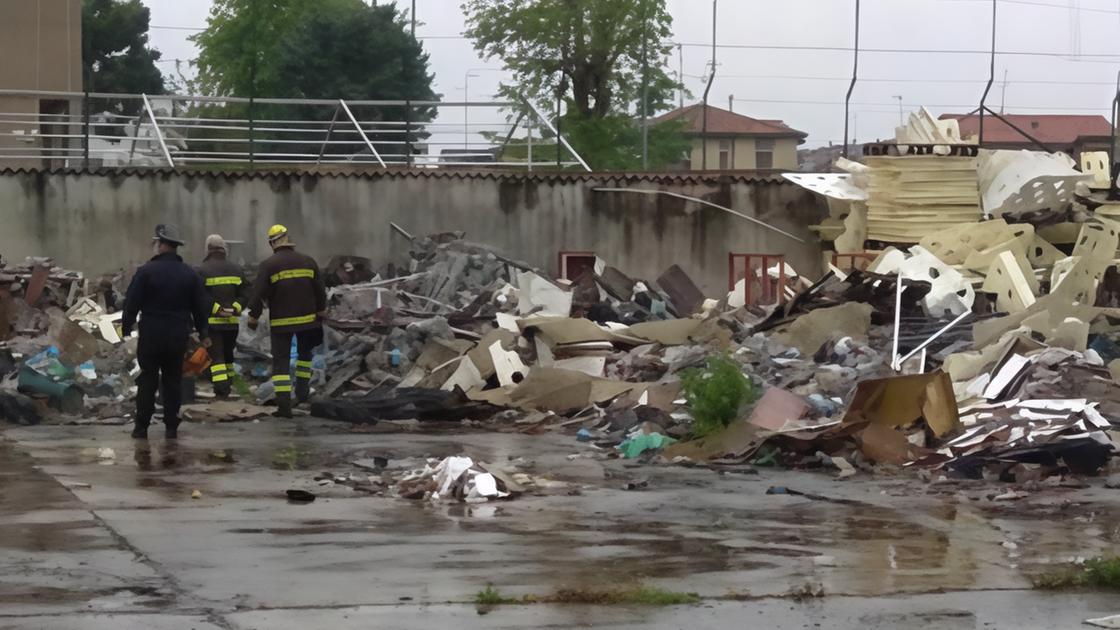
(322, 49)
(116, 55)
(591, 51)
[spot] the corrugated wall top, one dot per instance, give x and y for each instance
(546, 177)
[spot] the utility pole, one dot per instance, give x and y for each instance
(1003, 92)
(466, 106)
(645, 93)
(900, 123)
(852, 85)
(711, 78)
(731, 103)
(680, 72)
(408, 101)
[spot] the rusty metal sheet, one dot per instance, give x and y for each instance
(35, 286)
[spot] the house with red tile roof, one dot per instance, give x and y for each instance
(737, 142)
(1069, 133)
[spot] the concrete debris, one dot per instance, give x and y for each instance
(967, 347)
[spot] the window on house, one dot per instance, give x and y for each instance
(764, 153)
(725, 160)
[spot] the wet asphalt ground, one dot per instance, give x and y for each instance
(91, 541)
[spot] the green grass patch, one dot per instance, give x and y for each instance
(292, 458)
(241, 388)
(640, 595)
(636, 596)
(491, 597)
(1098, 573)
(716, 394)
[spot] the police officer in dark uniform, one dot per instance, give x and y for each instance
(291, 284)
(170, 296)
(225, 283)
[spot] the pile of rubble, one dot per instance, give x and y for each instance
(1027, 339)
(980, 339)
(60, 344)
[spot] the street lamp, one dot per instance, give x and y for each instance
(900, 123)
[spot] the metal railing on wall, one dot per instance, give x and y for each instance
(104, 130)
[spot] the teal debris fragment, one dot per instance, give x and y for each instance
(639, 444)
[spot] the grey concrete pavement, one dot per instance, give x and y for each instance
(110, 542)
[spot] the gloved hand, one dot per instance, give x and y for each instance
(206, 343)
(254, 323)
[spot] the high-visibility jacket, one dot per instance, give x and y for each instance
(228, 289)
(291, 284)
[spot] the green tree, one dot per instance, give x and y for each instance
(328, 49)
(599, 57)
(116, 55)
(591, 52)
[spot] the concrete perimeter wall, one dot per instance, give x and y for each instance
(98, 222)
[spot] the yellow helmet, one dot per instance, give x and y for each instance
(276, 232)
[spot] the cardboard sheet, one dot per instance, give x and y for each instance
(899, 401)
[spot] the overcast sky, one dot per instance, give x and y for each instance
(1074, 48)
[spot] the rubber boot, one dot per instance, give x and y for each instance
(222, 389)
(303, 390)
(140, 431)
(171, 429)
(283, 405)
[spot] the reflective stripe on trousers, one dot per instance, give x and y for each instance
(220, 372)
(282, 383)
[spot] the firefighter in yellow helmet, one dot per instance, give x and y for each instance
(291, 285)
(228, 290)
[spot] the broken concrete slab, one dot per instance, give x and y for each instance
(683, 293)
(812, 330)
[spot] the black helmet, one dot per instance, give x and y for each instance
(169, 233)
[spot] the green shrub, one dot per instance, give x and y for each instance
(492, 597)
(1099, 573)
(716, 393)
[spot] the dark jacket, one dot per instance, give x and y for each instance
(170, 295)
(292, 287)
(225, 283)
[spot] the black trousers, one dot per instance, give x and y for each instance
(222, 345)
(160, 353)
(306, 341)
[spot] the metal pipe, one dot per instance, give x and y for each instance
(852, 85)
(708, 89)
(925, 344)
(991, 75)
(644, 191)
(245, 100)
(895, 364)
(559, 138)
(85, 131)
(323, 148)
(369, 144)
(159, 134)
